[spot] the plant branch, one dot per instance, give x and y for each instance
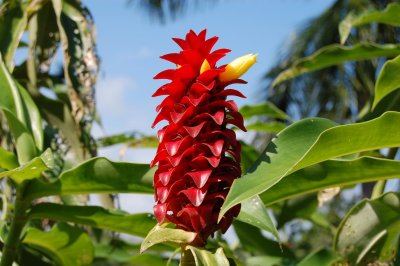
(17, 224)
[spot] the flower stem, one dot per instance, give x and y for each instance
(17, 224)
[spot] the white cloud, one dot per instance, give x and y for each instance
(112, 95)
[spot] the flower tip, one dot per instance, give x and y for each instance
(238, 67)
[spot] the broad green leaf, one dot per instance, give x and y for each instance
(13, 22)
(32, 169)
(163, 234)
(253, 212)
(119, 221)
(64, 244)
(273, 127)
(97, 175)
(322, 257)
(388, 79)
(263, 109)
(336, 54)
(331, 173)
(370, 229)
(202, 257)
(309, 142)
(8, 160)
(388, 16)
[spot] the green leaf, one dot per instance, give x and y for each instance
(331, 173)
(12, 25)
(24, 143)
(33, 117)
(119, 221)
(309, 142)
(202, 257)
(322, 257)
(16, 110)
(388, 80)
(336, 54)
(7, 159)
(388, 16)
(248, 155)
(264, 261)
(366, 225)
(132, 139)
(253, 212)
(32, 169)
(263, 109)
(163, 234)
(64, 244)
(273, 127)
(97, 175)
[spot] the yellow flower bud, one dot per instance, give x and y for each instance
(205, 66)
(237, 67)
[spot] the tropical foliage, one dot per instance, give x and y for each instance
(308, 172)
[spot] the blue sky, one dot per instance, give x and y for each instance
(130, 43)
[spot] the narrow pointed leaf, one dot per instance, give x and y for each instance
(64, 244)
(331, 173)
(336, 54)
(163, 234)
(12, 25)
(370, 229)
(97, 175)
(388, 16)
(253, 212)
(309, 142)
(388, 80)
(118, 221)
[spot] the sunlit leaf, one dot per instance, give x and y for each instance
(388, 16)
(330, 174)
(32, 169)
(163, 234)
(97, 175)
(309, 142)
(202, 257)
(388, 80)
(336, 54)
(370, 229)
(119, 221)
(64, 244)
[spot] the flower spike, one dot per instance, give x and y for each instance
(198, 156)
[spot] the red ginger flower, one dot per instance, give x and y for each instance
(198, 156)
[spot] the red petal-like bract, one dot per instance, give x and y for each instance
(198, 156)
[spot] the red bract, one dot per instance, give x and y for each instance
(198, 156)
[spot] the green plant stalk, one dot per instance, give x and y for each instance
(17, 225)
(380, 185)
